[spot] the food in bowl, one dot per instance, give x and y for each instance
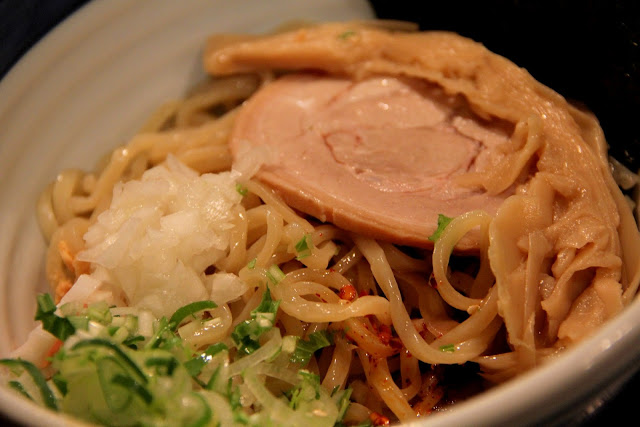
(350, 223)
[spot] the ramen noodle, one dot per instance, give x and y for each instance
(530, 249)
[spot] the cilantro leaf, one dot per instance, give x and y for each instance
(305, 348)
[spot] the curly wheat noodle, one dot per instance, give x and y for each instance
(377, 373)
(338, 371)
(410, 375)
(402, 322)
(458, 227)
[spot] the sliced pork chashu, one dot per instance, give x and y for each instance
(378, 156)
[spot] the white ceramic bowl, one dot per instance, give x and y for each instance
(91, 82)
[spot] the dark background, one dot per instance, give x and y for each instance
(586, 50)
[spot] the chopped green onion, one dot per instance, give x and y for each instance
(443, 221)
(79, 322)
(267, 304)
(211, 384)
(157, 338)
(252, 264)
(133, 385)
(216, 348)
(306, 390)
(207, 414)
(117, 396)
(449, 348)
(303, 248)
(170, 342)
(39, 380)
(275, 274)
(346, 35)
(99, 312)
(119, 353)
(246, 334)
(164, 365)
(189, 310)
(334, 390)
(289, 343)
(59, 327)
(241, 189)
(17, 386)
(194, 366)
(111, 380)
(60, 383)
(131, 341)
(343, 402)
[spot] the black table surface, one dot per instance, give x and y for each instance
(594, 45)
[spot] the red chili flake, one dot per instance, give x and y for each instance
(384, 333)
(423, 331)
(54, 348)
(320, 297)
(363, 293)
(432, 282)
(347, 292)
(332, 270)
(379, 419)
(52, 351)
(395, 343)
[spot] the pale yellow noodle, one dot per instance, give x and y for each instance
(475, 324)
(347, 261)
(273, 236)
(401, 262)
(45, 213)
(451, 235)
(410, 375)
(294, 304)
(361, 334)
(401, 320)
(378, 375)
(237, 257)
(271, 199)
